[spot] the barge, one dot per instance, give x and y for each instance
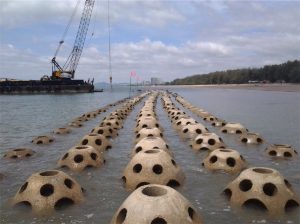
(63, 85)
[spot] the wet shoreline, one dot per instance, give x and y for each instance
(285, 87)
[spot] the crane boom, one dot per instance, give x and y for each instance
(70, 65)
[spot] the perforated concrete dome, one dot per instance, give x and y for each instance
(62, 131)
(116, 124)
(234, 128)
(219, 123)
(150, 143)
(42, 140)
(148, 122)
(107, 131)
(47, 191)
(183, 122)
(148, 132)
(75, 124)
(19, 153)
(152, 166)
(90, 115)
(262, 188)
(146, 114)
(207, 141)
(99, 142)
(80, 119)
(281, 151)
(176, 118)
(210, 118)
(190, 131)
(80, 157)
(156, 204)
(251, 138)
(227, 160)
(202, 113)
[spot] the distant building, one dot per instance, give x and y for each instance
(156, 81)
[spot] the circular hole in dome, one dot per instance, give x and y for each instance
(291, 205)
(199, 141)
(269, 189)
(211, 141)
(191, 213)
(137, 168)
(138, 149)
(78, 158)
(213, 159)
(185, 130)
(47, 190)
(124, 179)
(121, 216)
(262, 170)
(154, 191)
(287, 154)
(100, 131)
(272, 153)
(225, 150)
(84, 141)
(227, 192)
(24, 206)
(69, 183)
(259, 140)
(198, 131)
(23, 188)
(158, 220)
(63, 203)
(224, 131)
(81, 147)
(138, 135)
(230, 162)
(39, 142)
(255, 204)
(173, 183)
(245, 185)
(94, 156)
(173, 162)
(158, 169)
(49, 173)
(238, 132)
(287, 183)
(150, 151)
(98, 142)
(244, 140)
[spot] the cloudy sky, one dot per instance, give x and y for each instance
(154, 38)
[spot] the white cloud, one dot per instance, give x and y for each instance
(179, 38)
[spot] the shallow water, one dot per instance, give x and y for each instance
(275, 115)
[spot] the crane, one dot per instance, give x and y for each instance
(69, 68)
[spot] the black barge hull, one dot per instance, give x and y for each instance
(47, 86)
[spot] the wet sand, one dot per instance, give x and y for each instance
(286, 87)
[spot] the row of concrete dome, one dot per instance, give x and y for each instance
(78, 122)
(273, 150)
(259, 186)
(151, 173)
(49, 190)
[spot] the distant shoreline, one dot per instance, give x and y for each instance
(285, 87)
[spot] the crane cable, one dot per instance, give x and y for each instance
(109, 48)
(67, 29)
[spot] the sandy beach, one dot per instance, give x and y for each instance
(286, 87)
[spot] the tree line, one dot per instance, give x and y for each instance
(287, 72)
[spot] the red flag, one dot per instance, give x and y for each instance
(132, 74)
